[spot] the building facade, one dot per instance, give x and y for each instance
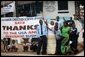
(45, 8)
(58, 8)
(41, 8)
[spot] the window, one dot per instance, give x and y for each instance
(62, 5)
(30, 9)
(9, 14)
(2, 15)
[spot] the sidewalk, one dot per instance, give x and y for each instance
(80, 54)
(31, 53)
(34, 54)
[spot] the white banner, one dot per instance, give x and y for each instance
(8, 8)
(19, 27)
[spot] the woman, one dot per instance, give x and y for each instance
(51, 40)
(65, 31)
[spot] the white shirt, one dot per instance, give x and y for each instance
(52, 28)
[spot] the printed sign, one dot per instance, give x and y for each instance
(19, 27)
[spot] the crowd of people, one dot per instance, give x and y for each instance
(56, 37)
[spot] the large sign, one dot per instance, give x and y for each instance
(19, 27)
(9, 8)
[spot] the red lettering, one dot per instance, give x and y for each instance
(19, 22)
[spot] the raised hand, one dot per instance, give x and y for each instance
(46, 22)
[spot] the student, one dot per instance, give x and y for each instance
(5, 42)
(14, 48)
(9, 47)
(42, 37)
(25, 46)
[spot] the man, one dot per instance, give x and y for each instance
(70, 22)
(25, 47)
(58, 39)
(41, 34)
(74, 38)
(60, 22)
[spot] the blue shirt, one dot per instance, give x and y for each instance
(58, 34)
(44, 30)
